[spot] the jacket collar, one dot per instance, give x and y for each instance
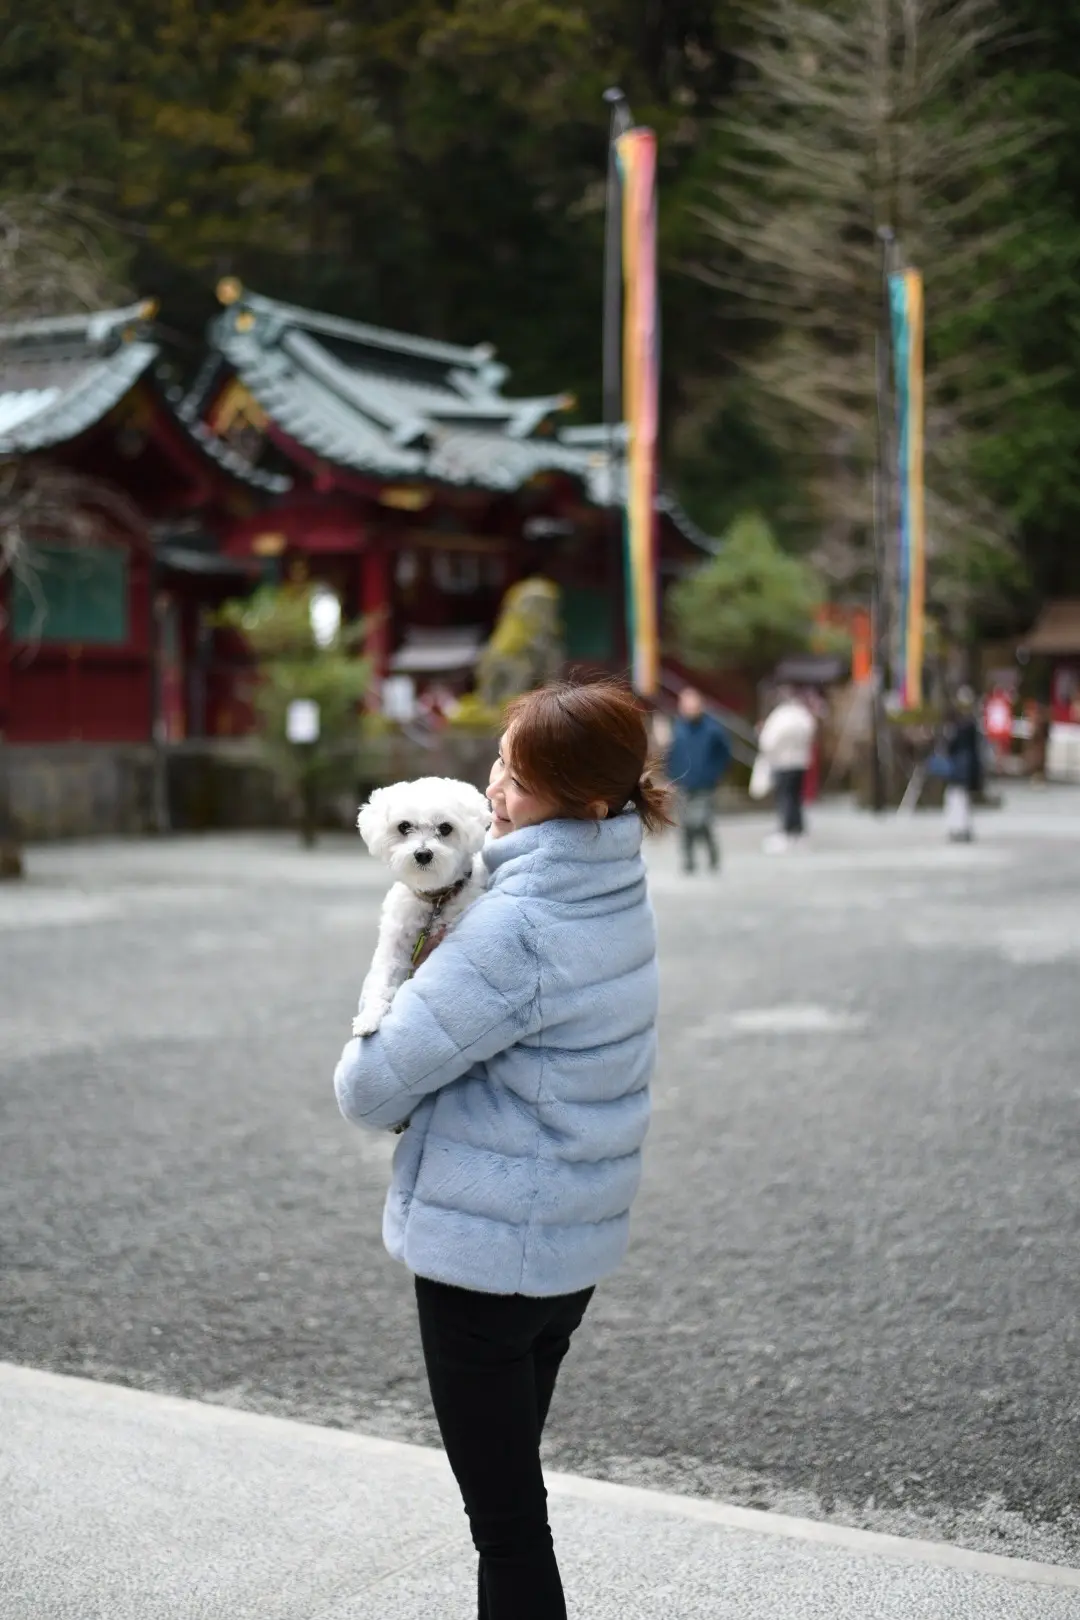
(564, 851)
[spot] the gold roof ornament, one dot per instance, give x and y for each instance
(145, 310)
(268, 545)
(404, 499)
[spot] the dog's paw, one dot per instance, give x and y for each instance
(370, 1017)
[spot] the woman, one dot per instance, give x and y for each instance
(787, 742)
(520, 1056)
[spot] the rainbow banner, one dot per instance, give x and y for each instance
(636, 157)
(906, 308)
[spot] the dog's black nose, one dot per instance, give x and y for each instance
(423, 857)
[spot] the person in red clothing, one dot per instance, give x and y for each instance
(998, 721)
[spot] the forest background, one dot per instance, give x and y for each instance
(438, 166)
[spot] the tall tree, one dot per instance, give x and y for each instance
(858, 116)
(1032, 462)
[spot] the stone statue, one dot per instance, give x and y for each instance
(526, 647)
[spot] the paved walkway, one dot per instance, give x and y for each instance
(119, 1505)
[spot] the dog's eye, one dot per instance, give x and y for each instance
(404, 827)
(445, 829)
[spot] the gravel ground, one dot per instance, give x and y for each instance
(852, 1285)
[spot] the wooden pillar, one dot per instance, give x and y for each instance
(11, 863)
(375, 604)
(74, 715)
(6, 607)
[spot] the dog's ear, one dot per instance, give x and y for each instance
(369, 823)
(476, 815)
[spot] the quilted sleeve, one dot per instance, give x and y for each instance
(476, 995)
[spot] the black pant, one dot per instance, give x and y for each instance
(789, 787)
(492, 1361)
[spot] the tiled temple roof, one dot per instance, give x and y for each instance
(396, 406)
(61, 375)
(387, 404)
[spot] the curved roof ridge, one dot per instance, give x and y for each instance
(378, 337)
(95, 327)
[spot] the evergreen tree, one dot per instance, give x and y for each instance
(301, 657)
(747, 607)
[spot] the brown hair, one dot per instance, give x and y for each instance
(580, 745)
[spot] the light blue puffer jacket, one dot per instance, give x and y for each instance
(521, 1055)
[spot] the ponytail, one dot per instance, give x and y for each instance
(652, 801)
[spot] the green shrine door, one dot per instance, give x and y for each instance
(588, 625)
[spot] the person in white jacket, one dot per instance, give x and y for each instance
(787, 742)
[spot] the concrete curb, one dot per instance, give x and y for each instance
(623, 1499)
(870, 1543)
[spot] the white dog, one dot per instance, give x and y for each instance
(429, 833)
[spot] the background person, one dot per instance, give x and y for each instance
(787, 741)
(519, 1059)
(997, 720)
(963, 745)
(697, 760)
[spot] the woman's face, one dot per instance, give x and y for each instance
(512, 805)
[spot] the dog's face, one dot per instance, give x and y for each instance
(426, 831)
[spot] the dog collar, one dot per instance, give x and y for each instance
(440, 897)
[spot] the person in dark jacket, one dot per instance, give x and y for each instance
(963, 745)
(697, 760)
